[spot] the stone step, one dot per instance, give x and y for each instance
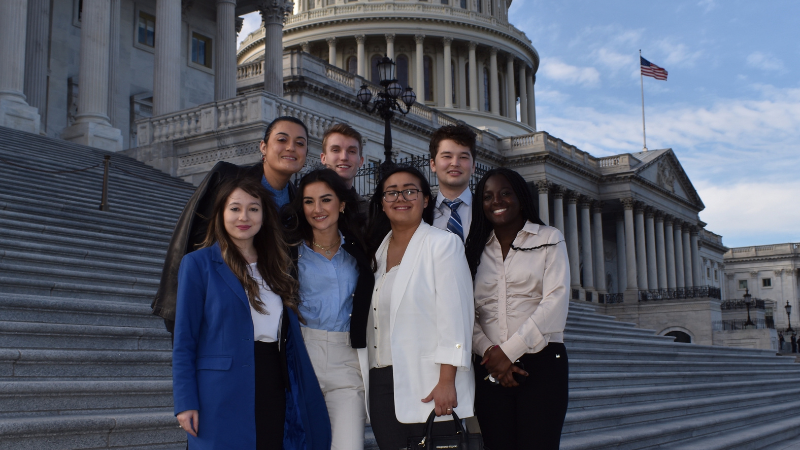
(589, 399)
(83, 243)
(82, 253)
(56, 275)
(574, 329)
(21, 335)
(668, 434)
(74, 290)
(663, 411)
(593, 343)
(133, 431)
(646, 355)
(33, 308)
(41, 398)
(603, 366)
(748, 437)
(594, 318)
(615, 379)
(61, 365)
(79, 264)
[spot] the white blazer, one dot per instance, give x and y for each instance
(431, 320)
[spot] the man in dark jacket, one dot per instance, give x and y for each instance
(343, 153)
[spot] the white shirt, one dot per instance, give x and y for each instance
(266, 327)
(441, 214)
(522, 302)
(379, 344)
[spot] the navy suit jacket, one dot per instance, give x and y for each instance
(213, 366)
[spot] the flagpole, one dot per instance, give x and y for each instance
(641, 82)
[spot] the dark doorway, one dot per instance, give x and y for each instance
(680, 336)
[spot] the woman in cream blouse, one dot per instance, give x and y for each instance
(521, 277)
(419, 331)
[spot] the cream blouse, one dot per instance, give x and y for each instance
(521, 303)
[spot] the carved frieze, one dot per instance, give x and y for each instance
(665, 176)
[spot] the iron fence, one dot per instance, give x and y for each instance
(740, 304)
(679, 293)
(610, 298)
(739, 324)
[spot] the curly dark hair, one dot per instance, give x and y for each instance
(480, 228)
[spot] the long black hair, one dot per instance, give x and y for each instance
(298, 228)
(379, 225)
(480, 228)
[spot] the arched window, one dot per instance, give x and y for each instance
(480, 6)
(466, 81)
(402, 70)
(680, 336)
(352, 64)
(375, 76)
(453, 84)
(427, 71)
(486, 106)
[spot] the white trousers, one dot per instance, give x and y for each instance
(339, 373)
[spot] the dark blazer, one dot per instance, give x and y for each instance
(191, 229)
(363, 293)
(213, 365)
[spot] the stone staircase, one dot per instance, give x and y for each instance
(84, 365)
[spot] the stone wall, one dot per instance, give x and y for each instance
(694, 317)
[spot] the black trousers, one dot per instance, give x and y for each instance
(531, 415)
(389, 432)
(270, 396)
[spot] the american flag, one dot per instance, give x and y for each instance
(651, 70)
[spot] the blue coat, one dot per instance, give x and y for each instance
(213, 366)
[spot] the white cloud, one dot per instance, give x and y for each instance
(677, 54)
(616, 61)
(560, 71)
(763, 61)
(251, 23)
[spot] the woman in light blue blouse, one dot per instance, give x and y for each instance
(336, 284)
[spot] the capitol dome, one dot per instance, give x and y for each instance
(491, 64)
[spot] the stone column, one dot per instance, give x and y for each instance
(641, 248)
(572, 241)
(597, 249)
(225, 51)
(273, 12)
(167, 69)
(531, 101)
(91, 125)
(420, 80)
(679, 272)
(622, 273)
(113, 64)
(461, 61)
(523, 94)
(586, 244)
(14, 110)
(473, 77)
(494, 84)
(687, 257)
(661, 257)
(511, 90)
(543, 187)
(361, 56)
(697, 273)
(448, 73)
(630, 250)
(670, 252)
(558, 209)
(481, 87)
(390, 46)
(650, 237)
(38, 36)
(331, 50)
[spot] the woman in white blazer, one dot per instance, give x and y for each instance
(419, 332)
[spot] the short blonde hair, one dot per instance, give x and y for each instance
(345, 130)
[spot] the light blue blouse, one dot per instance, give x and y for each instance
(326, 288)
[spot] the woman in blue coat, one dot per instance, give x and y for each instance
(241, 376)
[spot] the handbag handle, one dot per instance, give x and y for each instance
(428, 442)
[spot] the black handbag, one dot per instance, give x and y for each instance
(461, 440)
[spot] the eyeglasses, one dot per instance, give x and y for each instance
(408, 194)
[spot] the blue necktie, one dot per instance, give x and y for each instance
(454, 224)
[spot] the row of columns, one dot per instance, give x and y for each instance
(654, 250)
(517, 72)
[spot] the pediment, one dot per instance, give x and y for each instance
(666, 172)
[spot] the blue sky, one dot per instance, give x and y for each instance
(730, 109)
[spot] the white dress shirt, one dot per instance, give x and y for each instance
(441, 214)
(266, 327)
(522, 302)
(379, 340)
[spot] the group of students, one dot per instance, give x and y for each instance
(301, 313)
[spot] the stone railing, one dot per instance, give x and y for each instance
(763, 250)
(541, 141)
(341, 76)
(254, 69)
(253, 109)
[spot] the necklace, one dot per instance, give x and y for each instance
(327, 249)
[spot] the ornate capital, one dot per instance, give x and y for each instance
(239, 23)
(306, 46)
(586, 202)
(668, 219)
(447, 41)
(779, 272)
(753, 274)
(729, 276)
(274, 12)
(639, 207)
(558, 191)
(659, 215)
(389, 38)
(493, 52)
(573, 197)
(360, 39)
(628, 202)
(473, 45)
(649, 212)
(598, 206)
(419, 38)
(543, 186)
(331, 41)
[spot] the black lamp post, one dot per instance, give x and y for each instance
(748, 299)
(789, 315)
(386, 102)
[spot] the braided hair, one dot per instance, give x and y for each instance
(481, 228)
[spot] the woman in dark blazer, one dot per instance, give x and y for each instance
(336, 281)
(241, 374)
(283, 153)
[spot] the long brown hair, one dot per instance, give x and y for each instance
(273, 255)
